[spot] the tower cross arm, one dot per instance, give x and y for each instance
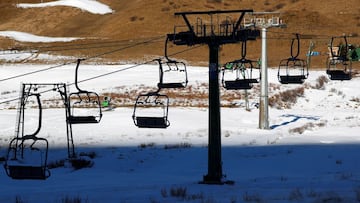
(188, 24)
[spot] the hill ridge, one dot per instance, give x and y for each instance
(143, 19)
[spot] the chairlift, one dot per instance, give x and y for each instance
(338, 64)
(293, 70)
(240, 73)
(85, 106)
(151, 110)
(27, 154)
(172, 73)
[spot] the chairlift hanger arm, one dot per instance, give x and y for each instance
(292, 46)
(166, 51)
(33, 135)
(76, 75)
(243, 50)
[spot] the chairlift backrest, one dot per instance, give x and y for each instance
(172, 74)
(333, 52)
(340, 51)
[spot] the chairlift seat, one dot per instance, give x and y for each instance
(243, 84)
(27, 172)
(82, 119)
(292, 79)
(339, 75)
(171, 85)
(152, 122)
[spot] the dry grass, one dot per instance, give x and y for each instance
(307, 126)
(142, 19)
(125, 96)
(285, 99)
(321, 81)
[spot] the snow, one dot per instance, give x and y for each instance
(27, 37)
(310, 154)
(318, 163)
(91, 6)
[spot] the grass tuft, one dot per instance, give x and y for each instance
(320, 82)
(183, 145)
(81, 163)
(91, 155)
(73, 200)
(56, 164)
(285, 99)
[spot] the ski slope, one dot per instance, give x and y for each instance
(91, 6)
(309, 155)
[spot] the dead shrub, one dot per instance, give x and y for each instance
(301, 130)
(91, 154)
(72, 200)
(287, 98)
(56, 164)
(165, 9)
(320, 82)
(279, 6)
(148, 145)
(214, 1)
(307, 126)
(178, 146)
(355, 99)
(81, 163)
(133, 18)
(296, 195)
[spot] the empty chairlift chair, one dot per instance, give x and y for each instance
(339, 66)
(293, 70)
(151, 111)
(172, 73)
(27, 154)
(84, 106)
(238, 74)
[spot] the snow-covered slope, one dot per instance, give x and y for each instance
(27, 37)
(91, 6)
(309, 155)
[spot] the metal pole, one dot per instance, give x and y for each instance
(264, 100)
(214, 175)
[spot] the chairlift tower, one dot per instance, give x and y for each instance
(263, 20)
(214, 33)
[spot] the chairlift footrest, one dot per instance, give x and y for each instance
(151, 122)
(244, 84)
(339, 75)
(82, 119)
(171, 85)
(292, 79)
(27, 172)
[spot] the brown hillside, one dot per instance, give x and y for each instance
(134, 21)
